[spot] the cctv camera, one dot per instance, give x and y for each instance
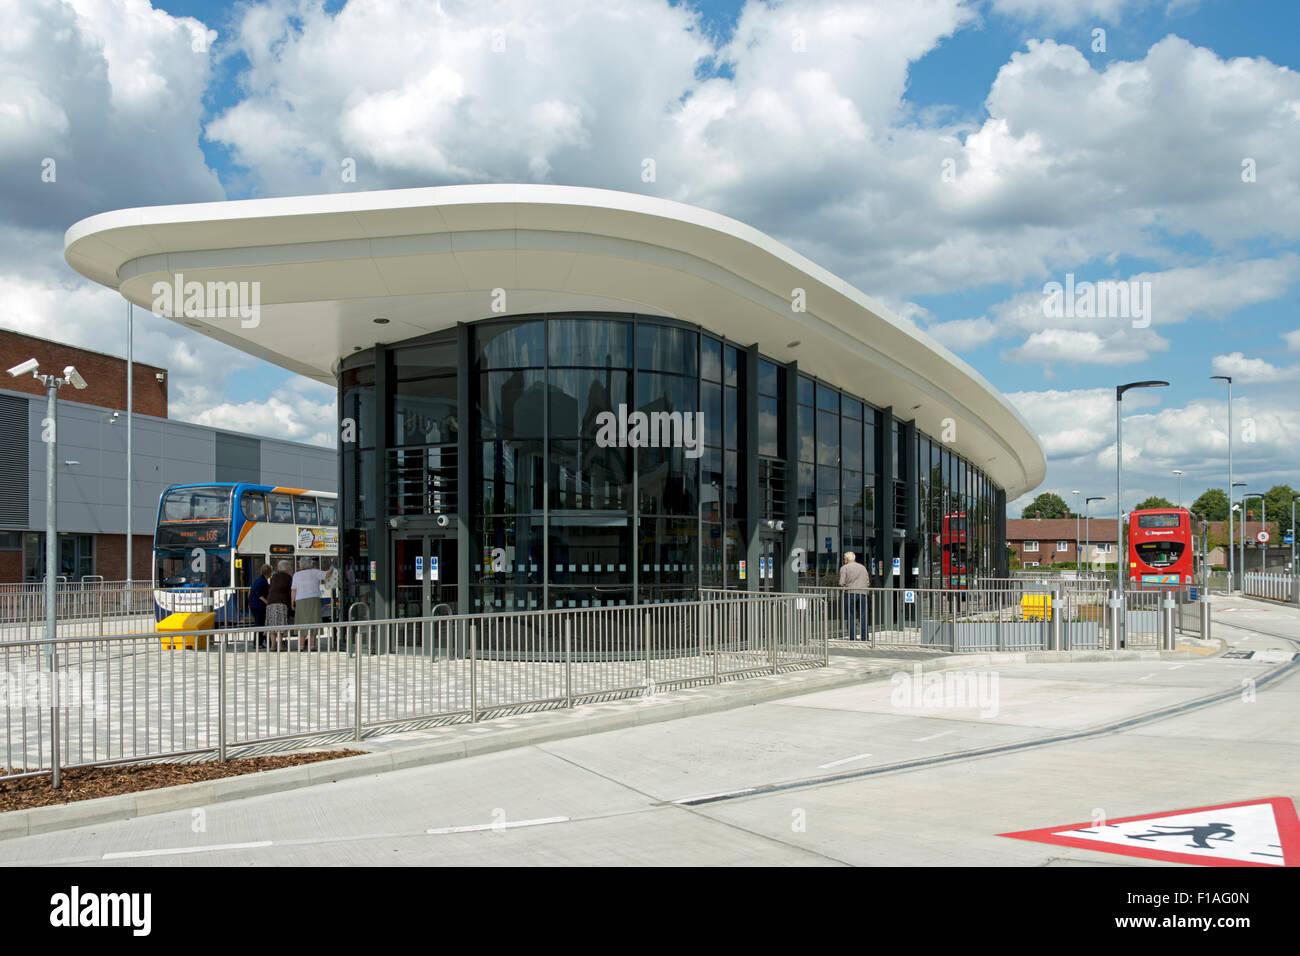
(73, 376)
(29, 366)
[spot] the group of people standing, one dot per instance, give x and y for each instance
(275, 594)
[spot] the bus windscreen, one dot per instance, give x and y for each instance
(196, 504)
(1159, 521)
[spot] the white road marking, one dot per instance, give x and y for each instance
(714, 796)
(186, 849)
(1175, 667)
(942, 733)
(508, 825)
(1148, 677)
(836, 763)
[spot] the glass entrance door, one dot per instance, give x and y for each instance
(425, 575)
(769, 559)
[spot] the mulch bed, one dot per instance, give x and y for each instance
(86, 783)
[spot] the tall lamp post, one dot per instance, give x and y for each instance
(1180, 486)
(1242, 527)
(1076, 531)
(52, 385)
(1087, 532)
(1293, 498)
(1119, 493)
(1228, 379)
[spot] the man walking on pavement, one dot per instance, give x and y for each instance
(855, 579)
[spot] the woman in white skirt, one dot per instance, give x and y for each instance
(278, 598)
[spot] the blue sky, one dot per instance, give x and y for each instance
(1115, 164)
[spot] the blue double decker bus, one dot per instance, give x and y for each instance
(211, 540)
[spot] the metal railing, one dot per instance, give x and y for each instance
(113, 608)
(122, 699)
(1275, 587)
(87, 609)
(1036, 616)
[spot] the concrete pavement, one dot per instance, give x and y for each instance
(614, 797)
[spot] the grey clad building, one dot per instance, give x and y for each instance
(564, 397)
(91, 482)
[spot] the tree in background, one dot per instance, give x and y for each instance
(1047, 505)
(1213, 505)
(1155, 501)
(1279, 507)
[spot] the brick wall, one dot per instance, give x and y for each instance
(110, 556)
(11, 566)
(105, 375)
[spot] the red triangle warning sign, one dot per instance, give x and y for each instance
(1254, 833)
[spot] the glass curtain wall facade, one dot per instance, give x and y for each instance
(582, 460)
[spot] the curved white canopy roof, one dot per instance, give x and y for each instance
(428, 258)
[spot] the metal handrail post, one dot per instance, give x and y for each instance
(767, 614)
(645, 646)
(998, 600)
(356, 679)
(716, 633)
(952, 617)
(221, 697)
(568, 662)
(56, 773)
(824, 618)
(1054, 613)
(1116, 611)
(473, 677)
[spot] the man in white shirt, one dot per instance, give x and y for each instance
(304, 598)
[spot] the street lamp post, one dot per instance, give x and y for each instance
(1122, 556)
(1228, 379)
(1087, 533)
(1076, 531)
(52, 385)
(1242, 563)
(1293, 498)
(1180, 486)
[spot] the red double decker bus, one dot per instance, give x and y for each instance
(952, 547)
(1160, 548)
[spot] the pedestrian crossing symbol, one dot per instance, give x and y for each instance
(1254, 833)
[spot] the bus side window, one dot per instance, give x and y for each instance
(305, 510)
(328, 512)
(253, 505)
(280, 508)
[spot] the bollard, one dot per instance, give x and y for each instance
(1205, 617)
(1054, 613)
(1169, 605)
(1115, 612)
